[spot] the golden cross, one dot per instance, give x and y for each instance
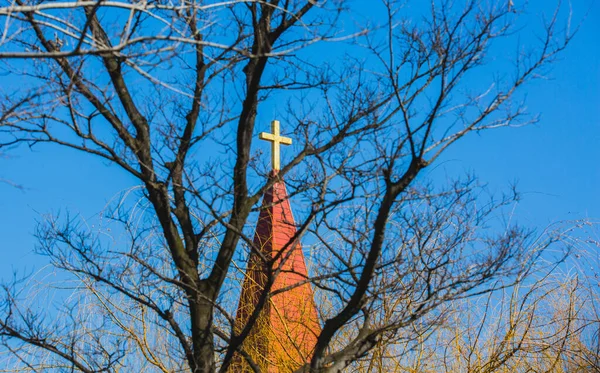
(275, 140)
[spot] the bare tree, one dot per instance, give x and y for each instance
(170, 91)
(548, 325)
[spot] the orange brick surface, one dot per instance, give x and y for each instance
(285, 333)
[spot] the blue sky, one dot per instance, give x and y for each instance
(554, 162)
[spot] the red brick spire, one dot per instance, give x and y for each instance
(286, 331)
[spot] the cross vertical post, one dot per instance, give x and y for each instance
(276, 140)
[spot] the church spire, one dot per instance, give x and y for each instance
(285, 333)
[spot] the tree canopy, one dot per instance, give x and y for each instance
(170, 92)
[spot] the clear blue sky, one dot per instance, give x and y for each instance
(555, 163)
